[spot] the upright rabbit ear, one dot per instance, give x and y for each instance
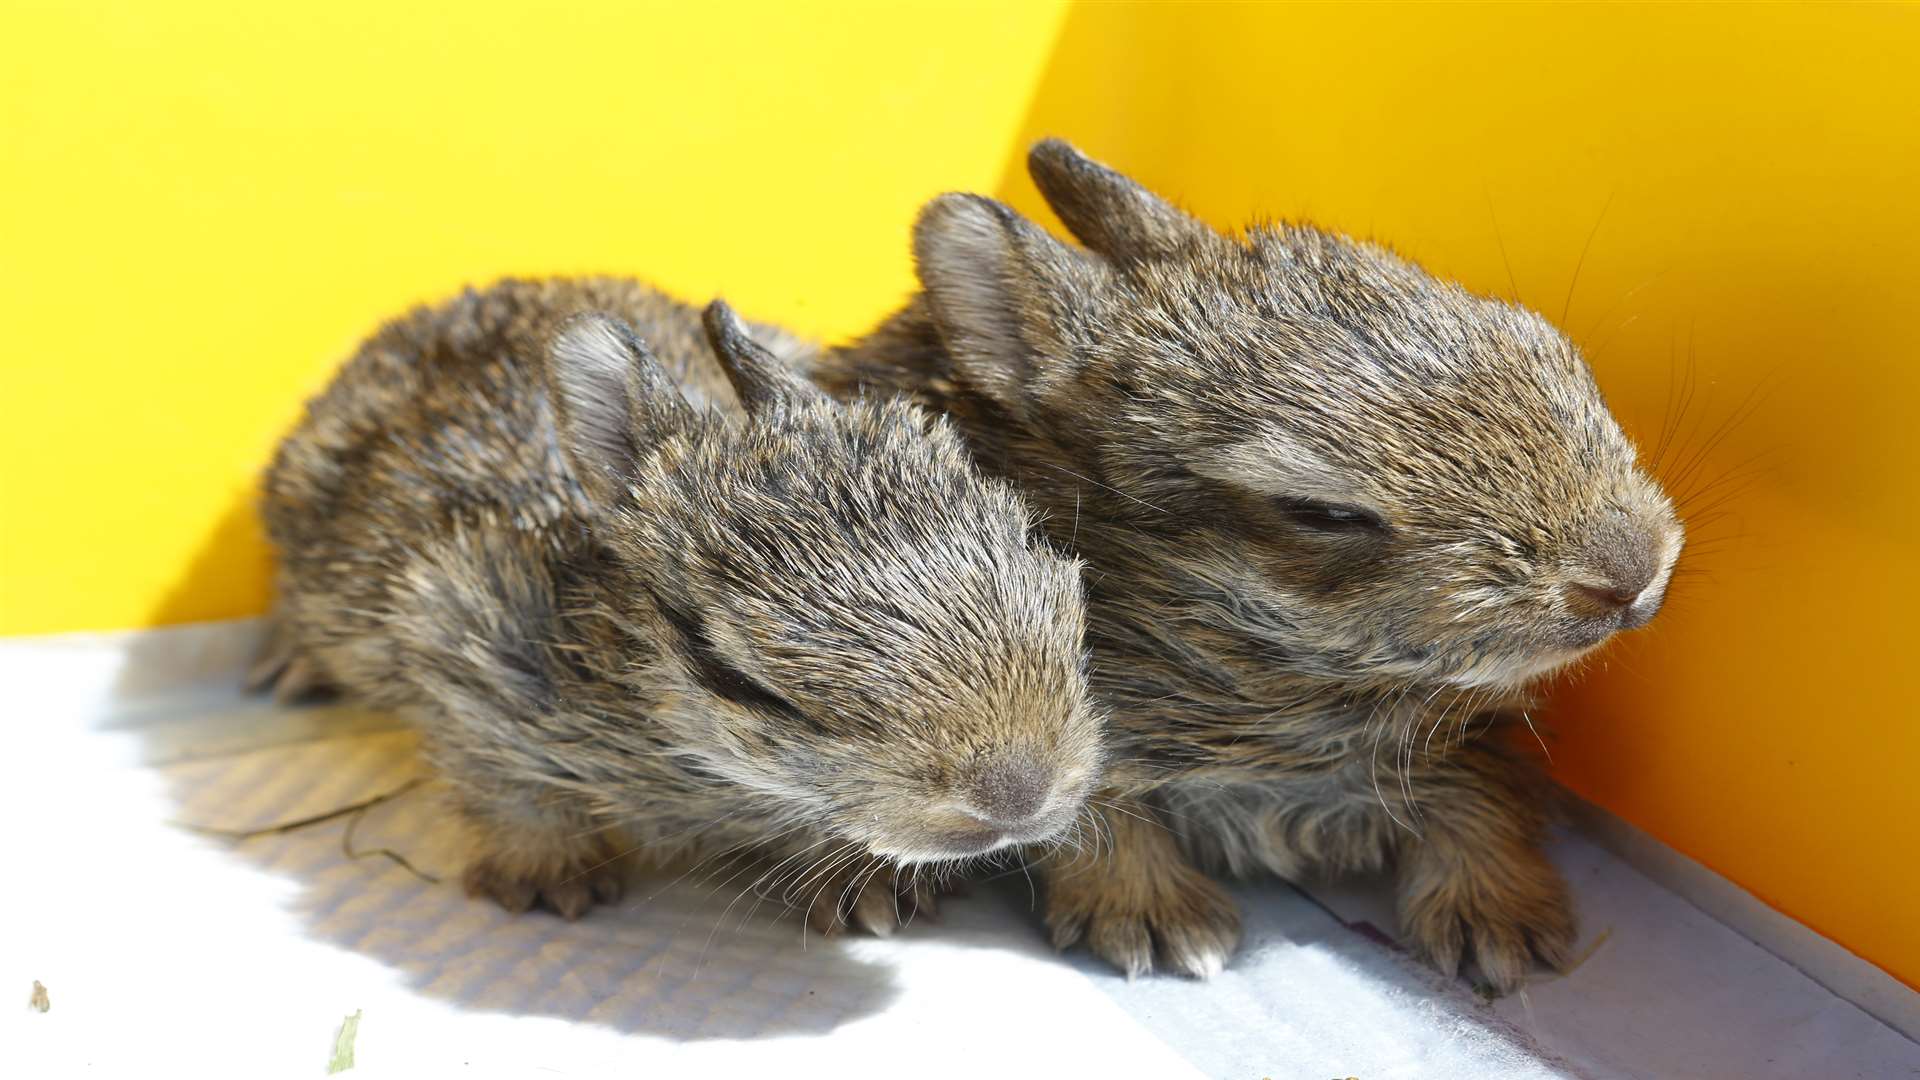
(611, 401)
(1107, 211)
(759, 378)
(995, 284)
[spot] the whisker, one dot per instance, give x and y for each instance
(1513, 287)
(1580, 263)
(1109, 487)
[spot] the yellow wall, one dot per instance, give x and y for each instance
(206, 204)
(1749, 177)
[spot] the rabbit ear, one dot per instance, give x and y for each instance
(993, 282)
(759, 378)
(611, 401)
(1108, 212)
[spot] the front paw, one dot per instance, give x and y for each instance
(286, 669)
(1503, 915)
(867, 894)
(566, 884)
(1178, 918)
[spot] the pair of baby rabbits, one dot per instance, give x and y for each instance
(1144, 561)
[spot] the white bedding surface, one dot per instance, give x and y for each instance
(165, 952)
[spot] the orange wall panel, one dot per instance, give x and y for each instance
(1718, 203)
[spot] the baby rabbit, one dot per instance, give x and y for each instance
(811, 634)
(1337, 516)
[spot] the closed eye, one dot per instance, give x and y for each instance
(717, 676)
(1331, 517)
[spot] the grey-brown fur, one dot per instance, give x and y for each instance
(625, 611)
(1336, 515)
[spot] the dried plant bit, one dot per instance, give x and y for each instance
(353, 812)
(342, 1058)
(38, 1001)
(301, 823)
(1587, 953)
(347, 848)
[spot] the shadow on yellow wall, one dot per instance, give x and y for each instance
(229, 575)
(208, 204)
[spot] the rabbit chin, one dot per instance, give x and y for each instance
(1514, 670)
(952, 847)
(914, 855)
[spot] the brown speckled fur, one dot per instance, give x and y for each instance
(625, 615)
(1336, 515)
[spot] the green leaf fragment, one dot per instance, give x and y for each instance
(343, 1044)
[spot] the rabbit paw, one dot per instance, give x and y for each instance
(285, 670)
(869, 896)
(1503, 918)
(566, 886)
(1181, 920)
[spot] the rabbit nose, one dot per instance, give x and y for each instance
(1010, 791)
(1601, 600)
(1615, 571)
(1621, 559)
(1627, 606)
